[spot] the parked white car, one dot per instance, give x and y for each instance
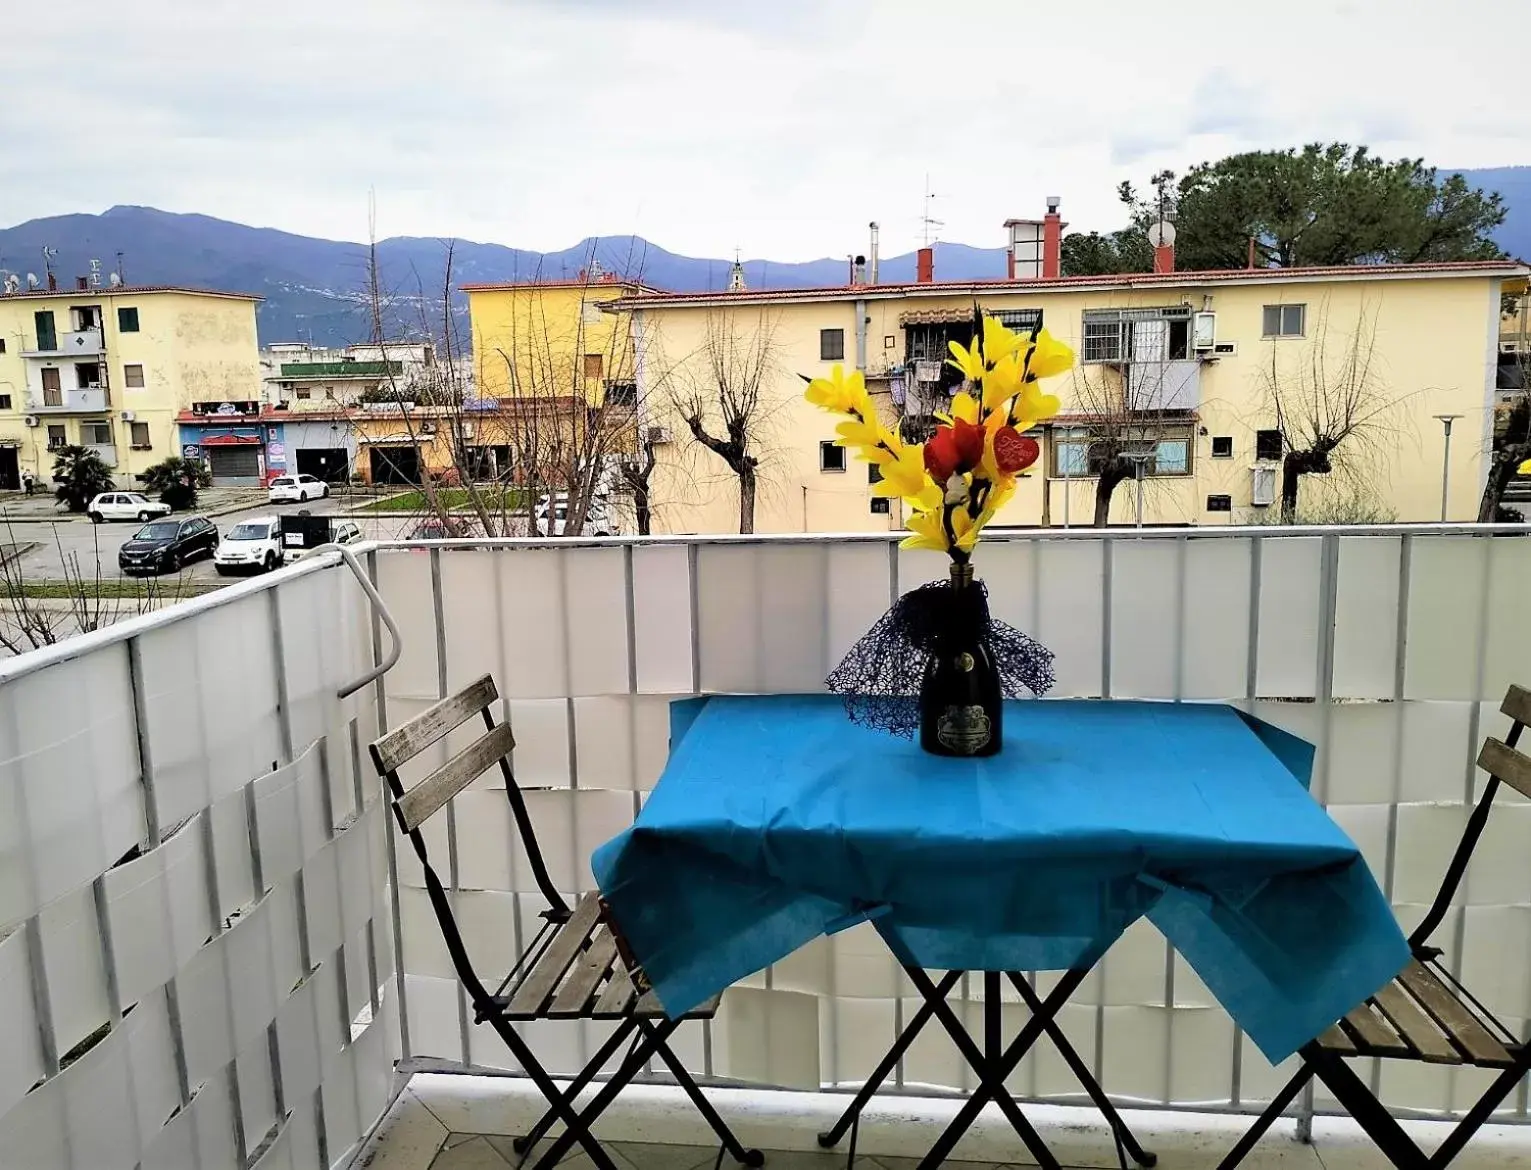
(553, 514)
(297, 489)
(125, 506)
(251, 546)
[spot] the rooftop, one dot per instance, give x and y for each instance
(125, 290)
(1500, 269)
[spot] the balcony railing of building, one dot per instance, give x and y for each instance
(209, 941)
(89, 400)
(106, 451)
(80, 343)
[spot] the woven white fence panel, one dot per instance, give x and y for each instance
(196, 958)
(1389, 652)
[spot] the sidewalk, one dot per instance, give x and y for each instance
(41, 507)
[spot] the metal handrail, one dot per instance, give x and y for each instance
(392, 657)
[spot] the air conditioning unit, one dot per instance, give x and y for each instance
(427, 426)
(129, 416)
(1262, 486)
(657, 435)
(1204, 331)
(31, 420)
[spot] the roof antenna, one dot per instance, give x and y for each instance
(925, 217)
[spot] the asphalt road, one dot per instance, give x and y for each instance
(85, 546)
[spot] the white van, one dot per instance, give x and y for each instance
(553, 514)
(251, 546)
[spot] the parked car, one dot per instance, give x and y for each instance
(125, 506)
(435, 528)
(251, 546)
(163, 546)
(297, 489)
(553, 512)
(303, 533)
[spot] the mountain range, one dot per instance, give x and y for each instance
(315, 290)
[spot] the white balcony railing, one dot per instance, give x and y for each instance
(80, 343)
(84, 401)
(198, 888)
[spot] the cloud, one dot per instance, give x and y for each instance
(781, 128)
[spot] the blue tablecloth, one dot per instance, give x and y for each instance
(777, 820)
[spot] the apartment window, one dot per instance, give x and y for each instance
(831, 458)
(304, 393)
(52, 387)
(1020, 320)
(139, 436)
(47, 335)
(1137, 335)
(5, 401)
(96, 433)
(621, 394)
(1268, 445)
(880, 505)
(831, 345)
(594, 365)
(133, 377)
(1083, 452)
(87, 374)
(1219, 503)
(874, 473)
(2, 345)
(127, 320)
(1284, 320)
(1222, 446)
(56, 438)
(85, 317)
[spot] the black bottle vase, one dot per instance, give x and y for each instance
(961, 708)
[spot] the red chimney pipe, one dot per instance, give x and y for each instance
(1164, 258)
(81, 283)
(925, 266)
(1052, 241)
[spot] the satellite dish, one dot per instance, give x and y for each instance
(1162, 234)
(116, 280)
(32, 281)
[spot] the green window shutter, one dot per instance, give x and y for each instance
(127, 320)
(46, 337)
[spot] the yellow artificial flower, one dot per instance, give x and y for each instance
(1002, 382)
(1524, 468)
(929, 531)
(855, 433)
(1049, 357)
(1033, 407)
(841, 394)
(904, 477)
(969, 361)
(999, 341)
(964, 406)
(964, 529)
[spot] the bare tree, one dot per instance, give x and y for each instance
(718, 394)
(1512, 447)
(1326, 396)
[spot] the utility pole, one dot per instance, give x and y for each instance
(1446, 421)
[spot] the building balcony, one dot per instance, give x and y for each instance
(106, 451)
(91, 400)
(82, 343)
(213, 952)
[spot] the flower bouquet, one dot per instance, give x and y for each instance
(937, 660)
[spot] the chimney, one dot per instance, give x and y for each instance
(1164, 258)
(81, 283)
(1052, 241)
(52, 283)
(1251, 263)
(925, 266)
(858, 271)
(872, 254)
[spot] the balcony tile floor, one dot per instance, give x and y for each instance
(451, 1122)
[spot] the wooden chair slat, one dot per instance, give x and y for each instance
(1463, 1028)
(1508, 764)
(408, 740)
(447, 781)
(1415, 1027)
(1335, 1040)
(649, 1005)
(578, 990)
(537, 987)
(618, 997)
(1373, 1034)
(1517, 704)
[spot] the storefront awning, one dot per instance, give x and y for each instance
(229, 441)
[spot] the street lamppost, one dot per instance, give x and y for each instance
(1139, 459)
(1446, 420)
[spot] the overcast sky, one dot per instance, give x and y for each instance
(778, 126)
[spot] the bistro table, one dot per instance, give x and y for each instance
(777, 820)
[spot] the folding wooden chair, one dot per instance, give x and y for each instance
(1424, 1013)
(575, 967)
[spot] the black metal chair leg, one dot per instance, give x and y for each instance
(577, 1130)
(917, 1022)
(703, 1106)
(534, 1135)
(1365, 1110)
(1267, 1119)
(1086, 1078)
(1473, 1120)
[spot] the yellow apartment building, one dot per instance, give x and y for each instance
(1189, 367)
(110, 369)
(552, 338)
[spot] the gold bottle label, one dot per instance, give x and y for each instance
(963, 730)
